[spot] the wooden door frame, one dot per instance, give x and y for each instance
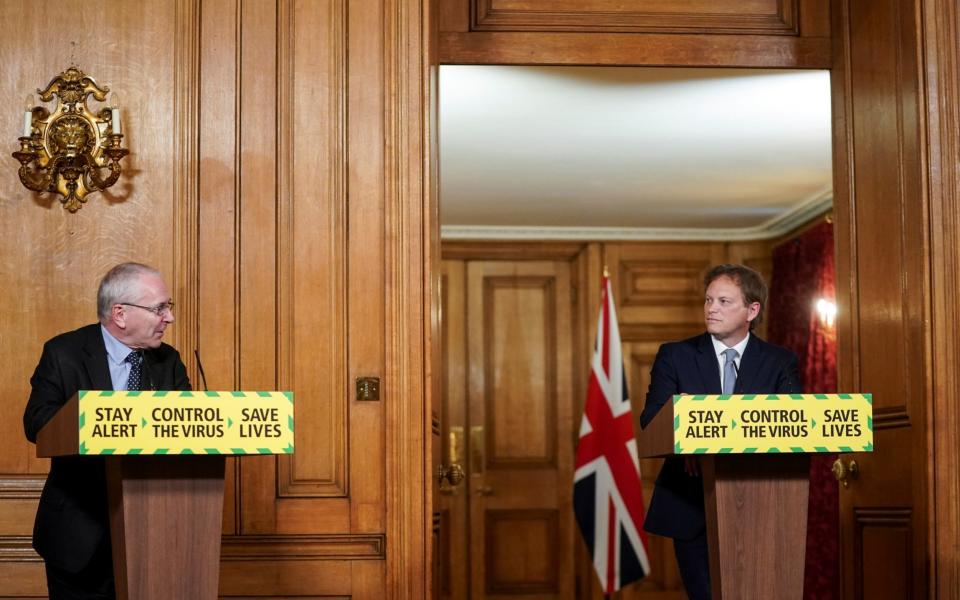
(939, 38)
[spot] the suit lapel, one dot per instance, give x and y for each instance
(750, 364)
(707, 365)
(95, 360)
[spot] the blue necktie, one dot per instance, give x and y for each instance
(729, 370)
(134, 380)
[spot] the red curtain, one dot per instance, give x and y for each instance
(803, 273)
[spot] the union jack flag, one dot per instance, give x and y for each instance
(607, 498)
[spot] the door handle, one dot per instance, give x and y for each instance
(452, 474)
(845, 472)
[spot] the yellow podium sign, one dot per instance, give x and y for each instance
(760, 423)
(171, 422)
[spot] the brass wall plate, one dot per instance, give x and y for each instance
(368, 388)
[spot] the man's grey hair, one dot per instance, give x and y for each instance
(120, 285)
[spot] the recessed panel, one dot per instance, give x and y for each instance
(886, 166)
(312, 245)
(521, 551)
(655, 283)
(520, 377)
(883, 547)
(734, 16)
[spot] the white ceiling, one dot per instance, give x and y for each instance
(632, 153)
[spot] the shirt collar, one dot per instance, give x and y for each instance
(719, 347)
(116, 350)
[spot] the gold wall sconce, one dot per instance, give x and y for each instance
(71, 151)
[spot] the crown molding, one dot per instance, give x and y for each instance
(780, 225)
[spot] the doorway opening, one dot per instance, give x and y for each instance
(548, 176)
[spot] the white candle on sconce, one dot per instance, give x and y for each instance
(114, 113)
(28, 116)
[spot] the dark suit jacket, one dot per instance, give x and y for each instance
(72, 518)
(690, 367)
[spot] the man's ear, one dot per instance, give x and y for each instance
(753, 309)
(118, 315)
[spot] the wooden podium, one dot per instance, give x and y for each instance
(755, 497)
(166, 497)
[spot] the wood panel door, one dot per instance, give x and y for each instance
(520, 429)
(883, 294)
(508, 389)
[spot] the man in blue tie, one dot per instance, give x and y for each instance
(729, 359)
(124, 351)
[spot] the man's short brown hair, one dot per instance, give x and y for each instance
(750, 282)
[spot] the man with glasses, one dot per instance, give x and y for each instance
(124, 351)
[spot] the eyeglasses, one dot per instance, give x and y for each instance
(159, 310)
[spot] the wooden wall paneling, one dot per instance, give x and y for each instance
(51, 260)
(886, 282)
(184, 279)
(256, 229)
(510, 250)
(585, 278)
(411, 238)
(454, 16)
(252, 248)
(288, 578)
(941, 32)
(661, 282)
(217, 315)
(762, 33)
(757, 255)
(313, 268)
(367, 180)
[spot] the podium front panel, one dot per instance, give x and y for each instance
(185, 422)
